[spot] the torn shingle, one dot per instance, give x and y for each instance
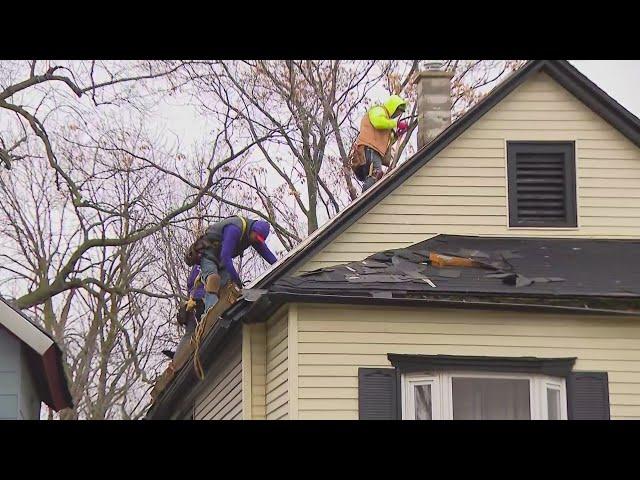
(427, 280)
(379, 278)
(380, 257)
(522, 281)
(404, 265)
(409, 255)
(548, 266)
(466, 252)
(499, 275)
(316, 272)
(374, 264)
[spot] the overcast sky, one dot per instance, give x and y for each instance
(619, 78)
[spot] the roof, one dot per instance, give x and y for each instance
(515, 267)
(44, 356)
(588, 276)
(560, 70)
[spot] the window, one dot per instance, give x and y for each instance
(483, 396)
(542, 184)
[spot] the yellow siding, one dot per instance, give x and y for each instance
(334, 341)
(277, 374)
(222, 396)
(463, 189)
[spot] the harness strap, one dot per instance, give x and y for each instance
(244, 226)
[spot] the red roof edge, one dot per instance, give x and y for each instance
(59, 394)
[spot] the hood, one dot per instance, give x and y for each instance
(261, 228)
(392, 104)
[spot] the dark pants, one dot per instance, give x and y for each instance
(367, 172)
(190, 327)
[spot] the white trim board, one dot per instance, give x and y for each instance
(23, 329)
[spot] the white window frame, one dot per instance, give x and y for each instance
(442, 392)
(408, 385)
(554, 384)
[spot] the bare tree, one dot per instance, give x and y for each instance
(103, 329)
(314, 107)
(305, 103)
(83, 203)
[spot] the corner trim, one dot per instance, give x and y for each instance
(247, 394)
(292, 355)
(557, 367)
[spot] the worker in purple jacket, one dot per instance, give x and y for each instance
(222, 242)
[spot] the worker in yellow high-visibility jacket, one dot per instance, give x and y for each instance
(378, 129)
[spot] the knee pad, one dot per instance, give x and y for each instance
(213, 283)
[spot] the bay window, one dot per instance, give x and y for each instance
(458, 387)
(483, 396)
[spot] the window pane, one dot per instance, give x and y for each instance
(490, 399)
(423, 402)
(553, 403)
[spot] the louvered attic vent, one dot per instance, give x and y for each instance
(542, 184)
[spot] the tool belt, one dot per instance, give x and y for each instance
(198, 249)
(357, 157)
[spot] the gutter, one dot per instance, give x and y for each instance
(436, 302)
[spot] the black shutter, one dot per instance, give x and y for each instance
(377, 394)
(588, 396)
(542, 184)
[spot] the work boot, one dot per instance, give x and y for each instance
(368, 183)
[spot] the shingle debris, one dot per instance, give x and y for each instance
(467, 264)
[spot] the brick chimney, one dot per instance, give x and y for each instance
(434, 102)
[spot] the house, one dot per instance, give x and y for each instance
(31, 369)
(492, 275)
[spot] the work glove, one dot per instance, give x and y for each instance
(403, 126)
(191, 303)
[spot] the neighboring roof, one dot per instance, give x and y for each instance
(44, 355)
(511, 266)
(560, 70)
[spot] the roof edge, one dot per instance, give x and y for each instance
(27, 332)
